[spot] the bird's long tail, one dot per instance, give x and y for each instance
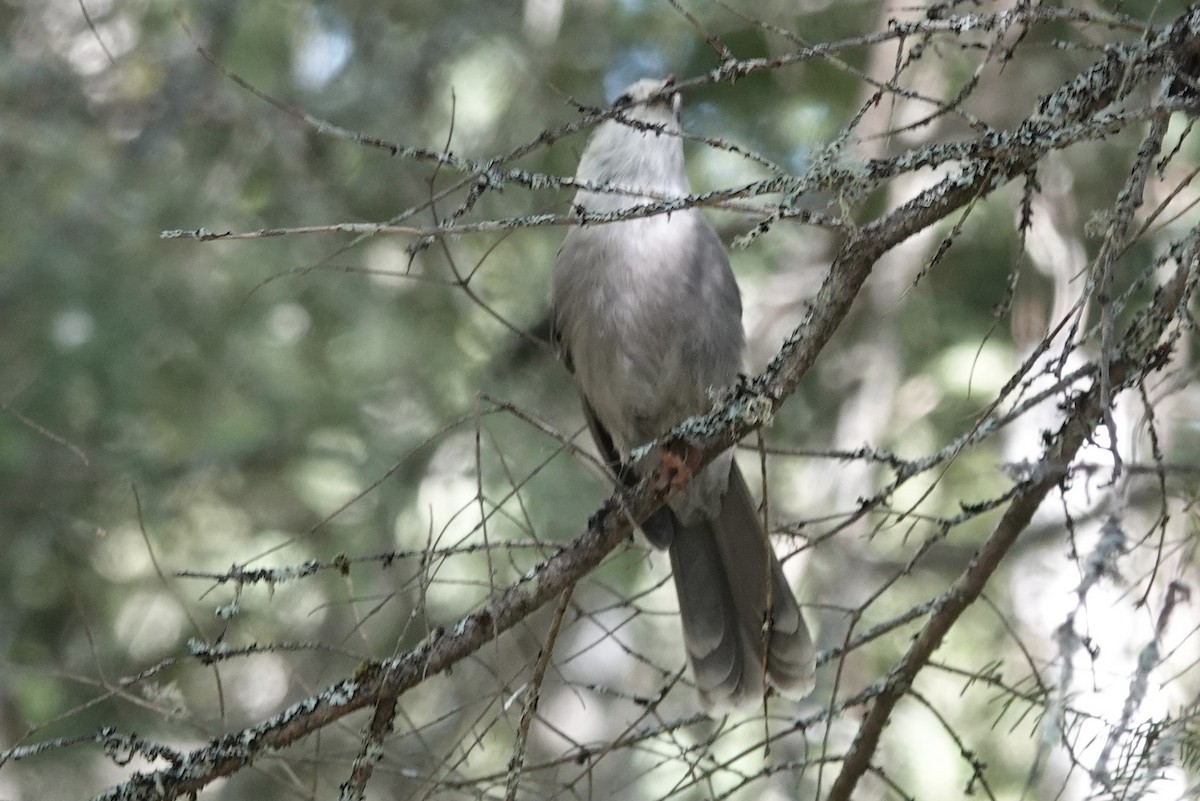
(726, 574)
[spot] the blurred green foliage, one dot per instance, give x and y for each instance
(245, 392)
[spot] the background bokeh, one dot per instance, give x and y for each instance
(172, 405)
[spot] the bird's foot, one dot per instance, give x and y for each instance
(678, 462)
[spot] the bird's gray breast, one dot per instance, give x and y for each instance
(651, 317)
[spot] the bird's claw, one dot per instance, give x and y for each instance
(678, 462)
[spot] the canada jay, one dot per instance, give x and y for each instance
(647, 316)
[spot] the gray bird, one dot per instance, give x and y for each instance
(647, 316)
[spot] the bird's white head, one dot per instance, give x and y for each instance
(638, 148)
(651, 101)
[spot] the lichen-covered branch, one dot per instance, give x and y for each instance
(1100, 100)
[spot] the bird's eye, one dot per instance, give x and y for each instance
(624, 99)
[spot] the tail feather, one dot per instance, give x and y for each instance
(715, 644)
(726, 574)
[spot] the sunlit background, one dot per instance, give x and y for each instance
(172, 405)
